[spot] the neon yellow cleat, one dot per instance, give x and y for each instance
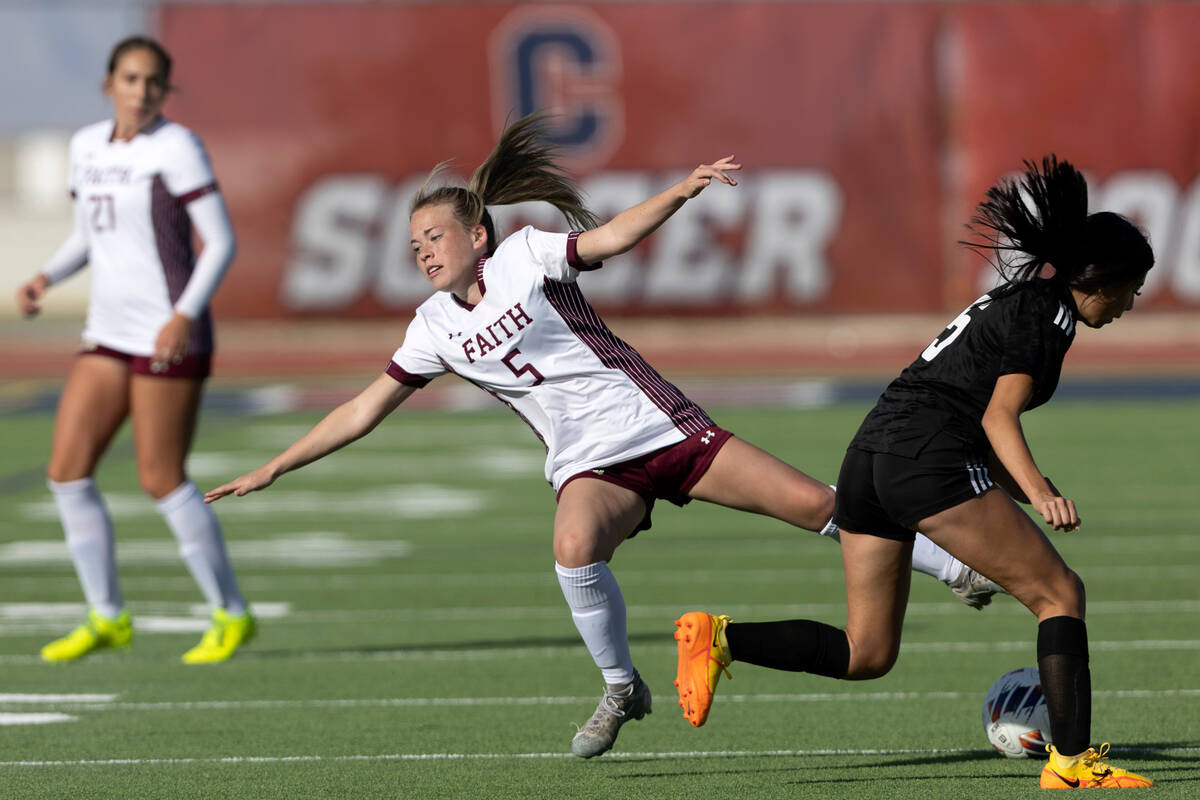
(223, 639)
(1090, 771)
(703, 656)
(95, 634)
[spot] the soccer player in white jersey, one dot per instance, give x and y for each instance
(509, 317)
(140, 183)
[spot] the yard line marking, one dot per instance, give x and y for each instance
(313, 549)
(799, 576)
(573, 650)
(474, 702)
(557, 610)
(57, 698)
(508, 462)
(35, 718)
(407, 501)
(20, 619)
(121, 762)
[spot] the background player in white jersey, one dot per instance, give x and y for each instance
(926, 455)
(509, 317)
(140, 183)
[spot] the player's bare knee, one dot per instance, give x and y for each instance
(160, 483)
(574, 549)
(812, 507)
(868, 661)
(64, 472)
(865, 667)
(825, 508)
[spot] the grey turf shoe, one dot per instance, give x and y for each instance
(618, 705)
(974, 589)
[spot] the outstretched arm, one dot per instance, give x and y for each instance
(346, 423)
(632, 225)
(1002, 424)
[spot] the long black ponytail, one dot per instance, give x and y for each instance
(1042, 218)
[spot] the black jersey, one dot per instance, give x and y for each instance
(1023, 328)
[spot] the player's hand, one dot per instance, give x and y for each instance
(705, 174)
(171, 346)
(261, 478)
(29, 296)
(1058, 511)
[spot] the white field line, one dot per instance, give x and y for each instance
(574, 651)
(798, 578)
(684, 754)
(57, 699)
(475, 702)
(23, 619)
(33, 718)
(408, 501)
(663, 612)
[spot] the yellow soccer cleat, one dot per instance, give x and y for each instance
(223, 639)
(703, 656)
(95, 634)
(1089, 771)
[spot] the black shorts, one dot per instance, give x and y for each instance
(886, 495)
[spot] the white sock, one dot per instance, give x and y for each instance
(202, 546)
(932, 560)
(599, 613)
(89, 533)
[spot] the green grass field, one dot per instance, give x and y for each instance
(414, 642)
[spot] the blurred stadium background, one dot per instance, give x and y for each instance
(868, 131)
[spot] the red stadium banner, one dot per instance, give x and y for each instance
(1114, 87)
(867, 131)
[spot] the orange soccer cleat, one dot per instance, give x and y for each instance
(703, 656)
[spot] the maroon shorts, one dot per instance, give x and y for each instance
(669, 473)
(192, 366)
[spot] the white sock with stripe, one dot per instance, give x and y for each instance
(598, 609)
(202, 546)
(90, 539)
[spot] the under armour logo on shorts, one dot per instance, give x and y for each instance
(707, 437)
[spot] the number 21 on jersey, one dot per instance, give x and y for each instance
(954, 329)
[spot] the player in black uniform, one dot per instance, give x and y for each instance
(930, 456)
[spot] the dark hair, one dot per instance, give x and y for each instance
(1042, 219)
(520, 168)
(131, 43)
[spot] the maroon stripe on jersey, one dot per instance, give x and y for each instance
(196, 194)
(405, 377)
(573, 258)
(582, 320)
(173, 235)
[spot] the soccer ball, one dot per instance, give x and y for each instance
(1015, 717)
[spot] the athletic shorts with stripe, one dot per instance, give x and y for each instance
(669, 472)
(886, 495)
(194, 366)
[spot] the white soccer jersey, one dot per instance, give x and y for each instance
(535, 344)
(130, 202)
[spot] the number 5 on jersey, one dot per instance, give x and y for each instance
(954, 329)
(519, 371)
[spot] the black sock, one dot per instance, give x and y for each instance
(798, 645)
(1066, 681)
